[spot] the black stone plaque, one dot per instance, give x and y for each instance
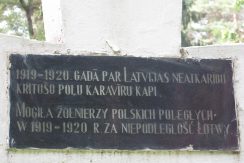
(104, 102)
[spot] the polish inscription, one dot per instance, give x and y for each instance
(121, 103)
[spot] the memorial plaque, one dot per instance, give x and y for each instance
(105, 102)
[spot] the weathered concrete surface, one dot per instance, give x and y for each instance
(134, 27)
(15, 44)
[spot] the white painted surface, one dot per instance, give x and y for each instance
(133, 27)
(52, 21)
(14, 44)
(18, 45)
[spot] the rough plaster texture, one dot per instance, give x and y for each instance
(134, 27)
(14, 44)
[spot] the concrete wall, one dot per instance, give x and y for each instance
(53, 21)
(133, 27)
(18, 45)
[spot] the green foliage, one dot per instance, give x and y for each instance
(213, 22)
(239, 4)
(13, 18)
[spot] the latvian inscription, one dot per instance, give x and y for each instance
(103, 102)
